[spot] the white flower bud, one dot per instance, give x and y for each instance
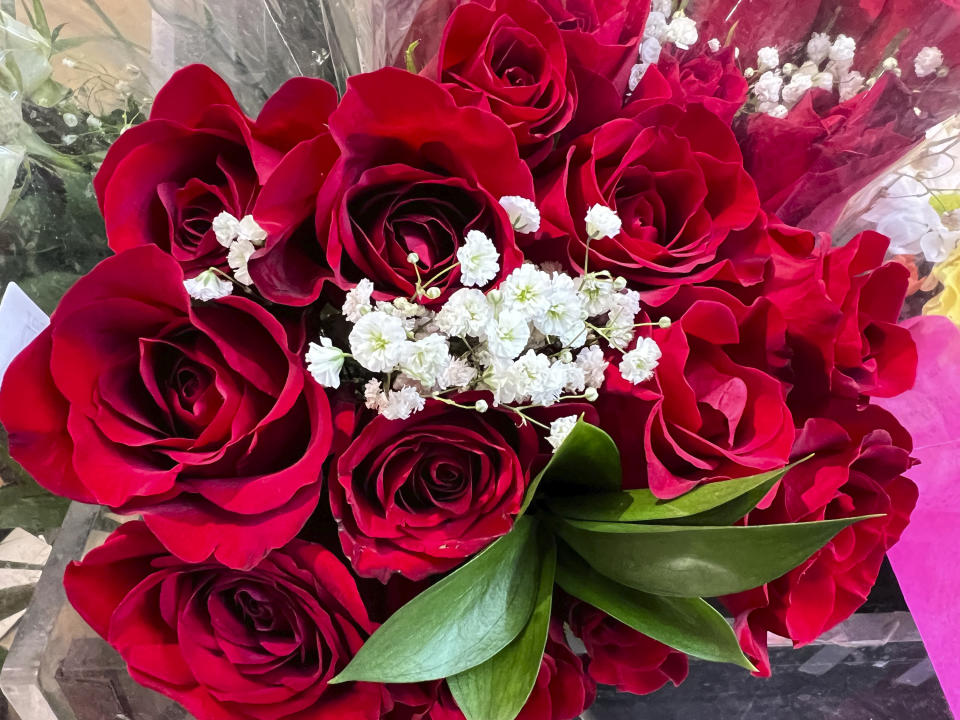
(928, 61)
(890, 63)
(413, 258)
(664, 322)
(619, 283)
(481, 406)
(768, 58)
(591, 394)
(433, 293)
(842, 51)
(70, 120)
(714, 44)
(818, 47)
(602, 222)
(523, 213)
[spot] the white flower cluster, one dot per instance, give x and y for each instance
(679, 30)
(536, 339)
(242, 238)
(829, 64)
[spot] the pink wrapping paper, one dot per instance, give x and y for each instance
(927, 558)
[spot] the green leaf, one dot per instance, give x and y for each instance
(697, 561)
(462, 621)
(411, 61)
(39, 20)
(689, 625)
(499, 688)
(716, 503)
(587, 460)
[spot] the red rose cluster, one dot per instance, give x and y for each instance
(278, 516)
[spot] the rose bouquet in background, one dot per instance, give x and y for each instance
(413, 384)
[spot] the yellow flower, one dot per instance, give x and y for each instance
(947, 303)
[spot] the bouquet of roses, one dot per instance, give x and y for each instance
(415, 385)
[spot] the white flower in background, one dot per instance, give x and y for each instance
(906, 216)
(479, 259)
(823, 81)
(94, 122)
(593, 364)
(650, 50)
(208, 286)
(523, 213)
(928, 61)
(602, 222)
(457, 374)
(425, 360)
(818, 47)
(842, 52)
(373, 395)
(324, 362)
(70, 120)
(636, 75)
(507, 336)
(565, 316)
(682, 32)
(796, 89)
(638, 365)
(768, 87)
(527, 291)
(778, 111)
(714, 44)
(401, 404)
(850, 84)
(357, 303)
(768, 58)
(656, 26)
(227, 228)
(560, 429)
(467, 312)
(596, 294)
(251, 231)
(237, 258)
(625, 305)
(378, 341)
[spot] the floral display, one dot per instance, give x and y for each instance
(528, 366)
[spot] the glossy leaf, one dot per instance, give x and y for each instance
(716, 503)
(689, 625)
(462, 621)
(587, 460)
(693, 561)
(499, 688)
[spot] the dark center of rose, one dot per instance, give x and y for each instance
(516, 62)
(429, 219)
(438, 479)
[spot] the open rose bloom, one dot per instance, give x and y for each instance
(549, 352)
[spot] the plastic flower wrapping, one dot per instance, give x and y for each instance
(453, 358)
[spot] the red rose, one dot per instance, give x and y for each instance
(714, 409)
(199, 416)
(230, 644)
(602, 39)
(826, 153)
(623, 657)
(163, 182)
(841, 307)
(712, 80)
(562, 691)
(675, 177)
(510, 59)
(418, 496)
(860, 456)
(399, 187)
